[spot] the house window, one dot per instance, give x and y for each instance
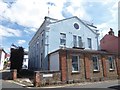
(62, 39)
(95, 63)
(75, 63)
(41, 60)
(74, 41)
(111, 63)
(76, 26)
(80, 44)
(42, 42)
(25, 59)
(89, 42)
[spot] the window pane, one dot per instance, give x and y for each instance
(75, 64)
(75, 67)
(62, 42)
(62, 39)
(89, 43)
(111, 63)
(74, 41)
(80, 41)
(95, 63)
(74, 59)
(63, 35)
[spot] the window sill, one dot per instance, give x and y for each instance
(96, 71)
(61, 46)
(75, 72)
(111, 69)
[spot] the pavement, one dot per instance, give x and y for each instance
(26, 83)
(112, 84)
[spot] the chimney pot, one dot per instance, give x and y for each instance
(111, 32)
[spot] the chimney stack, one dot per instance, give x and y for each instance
(111, 32)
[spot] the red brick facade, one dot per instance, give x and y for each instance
(86, 72)
(63, 66)
(110, 42)
(87, 67)
(103, 60)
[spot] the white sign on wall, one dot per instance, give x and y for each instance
(47, 75)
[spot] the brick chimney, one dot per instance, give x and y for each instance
(111, 32)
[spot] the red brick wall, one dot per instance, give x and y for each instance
(76, 76)
(63, 66)
(86, 71)
(96, 75)
(118, 66)
(109, 43)
(111, 74)
(87, 67)
(103, 60)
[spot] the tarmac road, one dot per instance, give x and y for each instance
(111, 84)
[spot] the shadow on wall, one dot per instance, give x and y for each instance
(6, 75)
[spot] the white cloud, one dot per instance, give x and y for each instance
(77, 8)
(20, 42)
(7, 32)
(113, 21)
(32, 12)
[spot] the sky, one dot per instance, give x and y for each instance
(20, 19)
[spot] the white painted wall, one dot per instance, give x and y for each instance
(36, 49)
(25, 61)
(67, 27)
(51, 36)
(54, 62)
(2, 60)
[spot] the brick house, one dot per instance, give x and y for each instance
(110, 42)
(78, 65)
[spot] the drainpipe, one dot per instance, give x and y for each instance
(97, 39)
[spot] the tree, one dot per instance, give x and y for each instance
(16, 58)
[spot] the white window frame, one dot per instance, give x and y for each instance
(89, 40)
(112, 62)
(63, 38)
(78, 60)
(80, 44)
(97, 63)
(74, 41)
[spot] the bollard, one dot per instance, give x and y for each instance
(37, 81)
(14, 74)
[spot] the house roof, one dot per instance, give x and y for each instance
(56, 21)
(107, 35)
(84, 51)
(1, 49)
(87, 25)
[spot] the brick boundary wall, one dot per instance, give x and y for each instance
(46, 78)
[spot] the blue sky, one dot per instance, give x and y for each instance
(19, 19)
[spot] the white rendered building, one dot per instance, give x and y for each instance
(55, 34)
(2, 58)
